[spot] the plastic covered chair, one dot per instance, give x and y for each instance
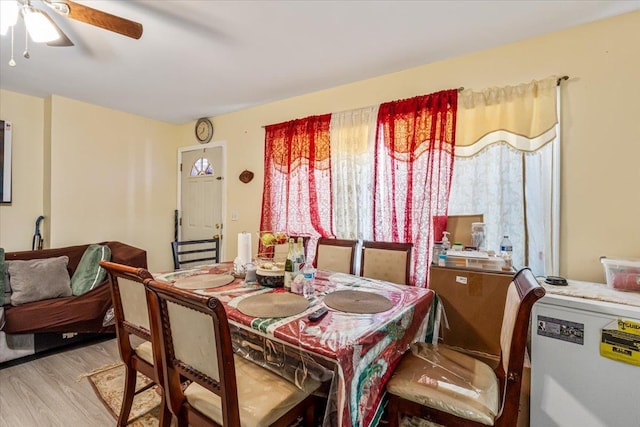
(132, 318)
(450, 388)
(225, 389)
(387, 261)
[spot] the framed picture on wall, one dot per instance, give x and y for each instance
(5, 162)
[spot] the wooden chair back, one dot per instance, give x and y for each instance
(132, 317)
(129, 301)
(195, 252)
(279, 252)
(336, 255)
(195, 344)
(387, 261)
(522, 294)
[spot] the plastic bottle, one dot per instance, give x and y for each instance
(506, 251)
(446, 245)
(506, 248)
(308, 273)
(289, 266)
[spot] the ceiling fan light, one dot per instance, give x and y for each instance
(39, 27)
(8, 15)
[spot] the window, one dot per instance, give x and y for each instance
(202, 166)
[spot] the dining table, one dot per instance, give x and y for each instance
(351, 352)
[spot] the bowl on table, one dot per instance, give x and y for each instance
(270, 274)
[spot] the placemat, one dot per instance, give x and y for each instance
(278, 304)
(357, 302)
(204, 281)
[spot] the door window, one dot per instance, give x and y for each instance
(202, 166)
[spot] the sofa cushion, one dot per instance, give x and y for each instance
(3, 282)
(38, 279)
(89, 274)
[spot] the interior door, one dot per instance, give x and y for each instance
(201, 181)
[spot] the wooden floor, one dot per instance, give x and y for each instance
(47, 392)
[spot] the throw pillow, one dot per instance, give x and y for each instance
(7, 288)
(89, 274)
(38, 279)
(2, 286)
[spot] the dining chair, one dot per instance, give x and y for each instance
(280, 251)
(225, 389)
(336, 255)
(450, 388)
(195, 251)
(388, 261)
(131, 317)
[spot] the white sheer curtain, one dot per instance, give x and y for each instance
(491, 183)
(506, 167)
(539, 194)
(352, 143)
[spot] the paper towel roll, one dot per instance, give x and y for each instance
(244, 248)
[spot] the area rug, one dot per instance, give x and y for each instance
(108, 383)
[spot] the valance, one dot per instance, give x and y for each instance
(299, 141)
(410, 127)
(522, 116)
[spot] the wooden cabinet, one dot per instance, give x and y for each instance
(473, 302)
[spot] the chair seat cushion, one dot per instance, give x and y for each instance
(263, 397)
(145, 351)
(439, 377)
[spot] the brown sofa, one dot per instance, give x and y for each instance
(65, 320)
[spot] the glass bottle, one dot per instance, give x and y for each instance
(300, 258)
(289, 266)
(478, 233)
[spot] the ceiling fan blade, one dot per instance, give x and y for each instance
(62, 40)
(98, 18)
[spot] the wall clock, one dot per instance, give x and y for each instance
(204, 130)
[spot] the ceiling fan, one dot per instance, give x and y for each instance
(41, 28)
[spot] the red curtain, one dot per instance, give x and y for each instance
(413, 164)
(297, 183)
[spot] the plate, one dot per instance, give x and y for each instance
(357, 302)
(204, 281)
(273, 304)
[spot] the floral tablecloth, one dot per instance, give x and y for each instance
(364, 348)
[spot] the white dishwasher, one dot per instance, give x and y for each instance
(585, 357)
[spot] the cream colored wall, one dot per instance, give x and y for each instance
(17, 220)
(100, 153)
(96, 174)
(600, 134)
(113, 177)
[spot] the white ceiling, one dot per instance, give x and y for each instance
(205, 58)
